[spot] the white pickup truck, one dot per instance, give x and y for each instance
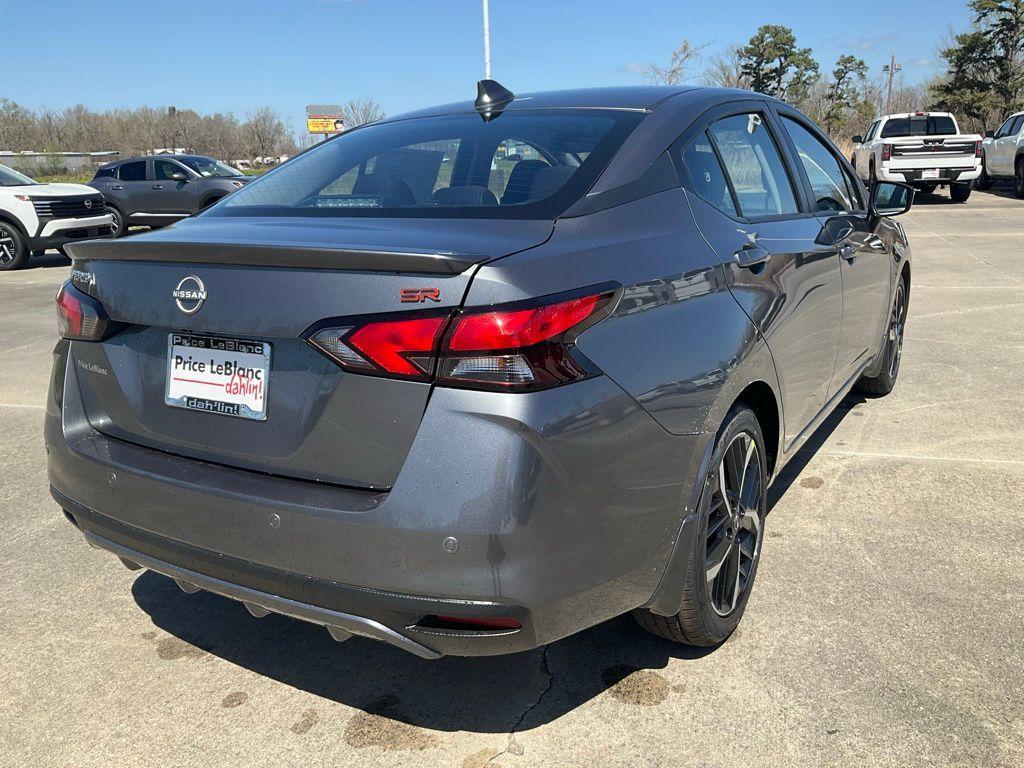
(923, 149)
(1003, 154)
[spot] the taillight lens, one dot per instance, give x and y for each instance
(977, 149)
(886, 151)
(401, 347)
(79, 316)
(521, 347)
(515, 347)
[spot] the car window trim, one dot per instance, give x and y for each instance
(782, 110)
(720, 111)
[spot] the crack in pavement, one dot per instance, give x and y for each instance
(514, 747)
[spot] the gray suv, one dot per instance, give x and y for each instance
(160, 190)
(467, 386)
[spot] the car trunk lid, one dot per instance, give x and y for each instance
(268, 282)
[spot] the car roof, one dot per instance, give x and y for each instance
(632, 97)
(164, 156)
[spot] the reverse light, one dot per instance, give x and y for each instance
(79, 316)
(886, 152)
(511, 347)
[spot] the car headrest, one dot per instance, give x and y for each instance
(517, 190)
(465, 195)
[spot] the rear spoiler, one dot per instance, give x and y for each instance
(262, 255)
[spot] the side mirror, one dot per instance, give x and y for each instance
(858, 139)
(890, 198)
(990, 134)
(179, 176)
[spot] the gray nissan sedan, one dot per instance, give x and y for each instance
(472, 379)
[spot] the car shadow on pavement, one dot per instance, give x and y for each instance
(48, 261)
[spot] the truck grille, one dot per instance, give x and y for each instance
(69, 207)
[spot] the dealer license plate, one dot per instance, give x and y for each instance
(217, 375)
(930, 173)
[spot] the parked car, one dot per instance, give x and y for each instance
(923, 149)
(467, 415)
(160, 190)
(34, 217)
(1003, 154)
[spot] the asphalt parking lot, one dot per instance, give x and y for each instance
(886, 627)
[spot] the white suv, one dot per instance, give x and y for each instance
(923, 149)
(1003, 154)
(34, 217)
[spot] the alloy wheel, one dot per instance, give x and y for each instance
(7, 246)
(733, 539)
(115, 225)
(897, 323)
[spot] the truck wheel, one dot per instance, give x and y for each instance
(984, 181)
(928, 188)
(13, 249)
(871, 172)
(892, 347)
(960, 191)
(1018, 177)
(722, 565)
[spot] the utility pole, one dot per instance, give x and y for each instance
(487, 40)
(891, 69)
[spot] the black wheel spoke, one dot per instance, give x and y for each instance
(734, 523)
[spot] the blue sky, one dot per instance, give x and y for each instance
(234, 55)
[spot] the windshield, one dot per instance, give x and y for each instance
(919, 125)
(527, 164)
(11, 178)
(210, 168)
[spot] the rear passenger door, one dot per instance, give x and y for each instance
(751, 208)
(131, 187)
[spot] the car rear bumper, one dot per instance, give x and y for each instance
(913, 175)
(558, 509)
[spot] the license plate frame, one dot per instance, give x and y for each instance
(930, 174)
(186, 390)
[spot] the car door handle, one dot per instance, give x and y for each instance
(848, 252)
(158, 186)
(117, 186)
(750, 255)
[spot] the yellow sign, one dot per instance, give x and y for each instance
(324, 124)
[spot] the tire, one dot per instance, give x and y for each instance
(709, 613)
(120, 226)
(871, 172)
(960, 191)
(892, 347)
(928, 189)
(13, 248)
(1018, 177)
(210, 202)
(984, 181)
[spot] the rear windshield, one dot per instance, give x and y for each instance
(923, 125)
(526, 164)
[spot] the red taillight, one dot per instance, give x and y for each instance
(514, 347)
(886, 151)
(390, 347)
(79, 316)
(977, 149)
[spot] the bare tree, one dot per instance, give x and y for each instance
(679, 63)
(726, 70)
(262, 132)
(361, 111)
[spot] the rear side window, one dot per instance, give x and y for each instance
(528, 164)
(133, 171)
(830, 185)
(707, 179)
(919, 125)
(105, 173)
(754, 166)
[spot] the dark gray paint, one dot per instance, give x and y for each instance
(570, 505)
